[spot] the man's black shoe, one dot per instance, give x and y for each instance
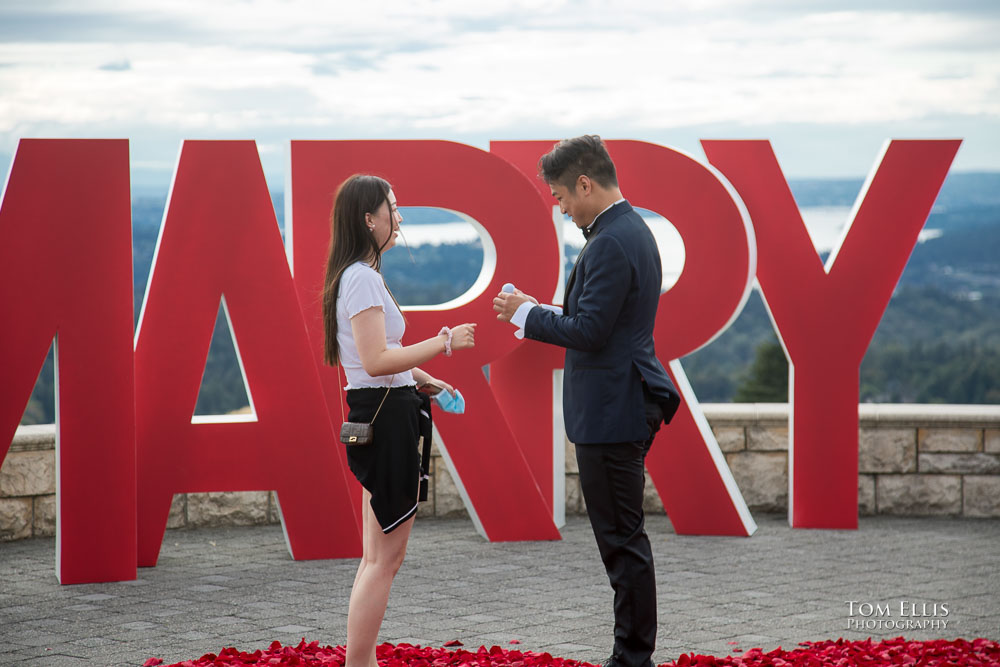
(613, 662)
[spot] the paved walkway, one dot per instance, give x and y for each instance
(239, 587)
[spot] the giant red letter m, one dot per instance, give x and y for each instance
(66, 272)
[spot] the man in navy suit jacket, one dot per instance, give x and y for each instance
(615, 391)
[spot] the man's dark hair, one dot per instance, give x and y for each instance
(570, 158)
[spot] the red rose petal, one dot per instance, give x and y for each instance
(453, 642)
(836, 653)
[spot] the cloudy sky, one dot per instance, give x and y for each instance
(827, 81)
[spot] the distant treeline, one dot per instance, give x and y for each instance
(938, 342)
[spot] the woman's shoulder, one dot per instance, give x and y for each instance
(360, 271)
(361, 287)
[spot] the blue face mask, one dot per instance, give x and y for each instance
(450, 403)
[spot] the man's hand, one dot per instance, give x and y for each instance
(506, 303)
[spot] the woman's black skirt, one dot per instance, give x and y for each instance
(390, 467)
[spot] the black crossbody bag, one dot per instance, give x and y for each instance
(359, 433)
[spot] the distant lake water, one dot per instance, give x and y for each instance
(825, 224)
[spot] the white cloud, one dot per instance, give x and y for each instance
(282, 70)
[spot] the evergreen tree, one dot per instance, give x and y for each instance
(768, 378)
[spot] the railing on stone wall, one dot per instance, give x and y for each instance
(914, 460)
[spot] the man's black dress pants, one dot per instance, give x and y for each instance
(612, 478)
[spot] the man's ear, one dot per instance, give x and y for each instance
(584, 184)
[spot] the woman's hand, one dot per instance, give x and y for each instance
(463, 336)
(432, 386)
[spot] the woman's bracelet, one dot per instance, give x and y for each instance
(447, 343)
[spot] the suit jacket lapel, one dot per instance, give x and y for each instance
(572, 273)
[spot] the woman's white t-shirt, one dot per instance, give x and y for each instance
(361, 288)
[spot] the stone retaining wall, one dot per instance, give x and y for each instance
(914, 460)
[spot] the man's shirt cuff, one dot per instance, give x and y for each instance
(520, 316)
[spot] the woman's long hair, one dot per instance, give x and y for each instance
(350, 241)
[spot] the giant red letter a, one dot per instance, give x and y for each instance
(220, 239)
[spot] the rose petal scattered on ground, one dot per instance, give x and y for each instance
(843, 653)
(840, 652)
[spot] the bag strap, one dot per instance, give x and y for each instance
(341, 395)
(383, 400)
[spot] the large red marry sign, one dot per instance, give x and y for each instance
(126, 440)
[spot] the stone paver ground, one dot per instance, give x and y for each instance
(239, 587)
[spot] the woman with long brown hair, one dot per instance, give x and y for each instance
(363, 335)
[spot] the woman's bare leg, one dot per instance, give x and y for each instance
(382, 557)
(365, 502)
